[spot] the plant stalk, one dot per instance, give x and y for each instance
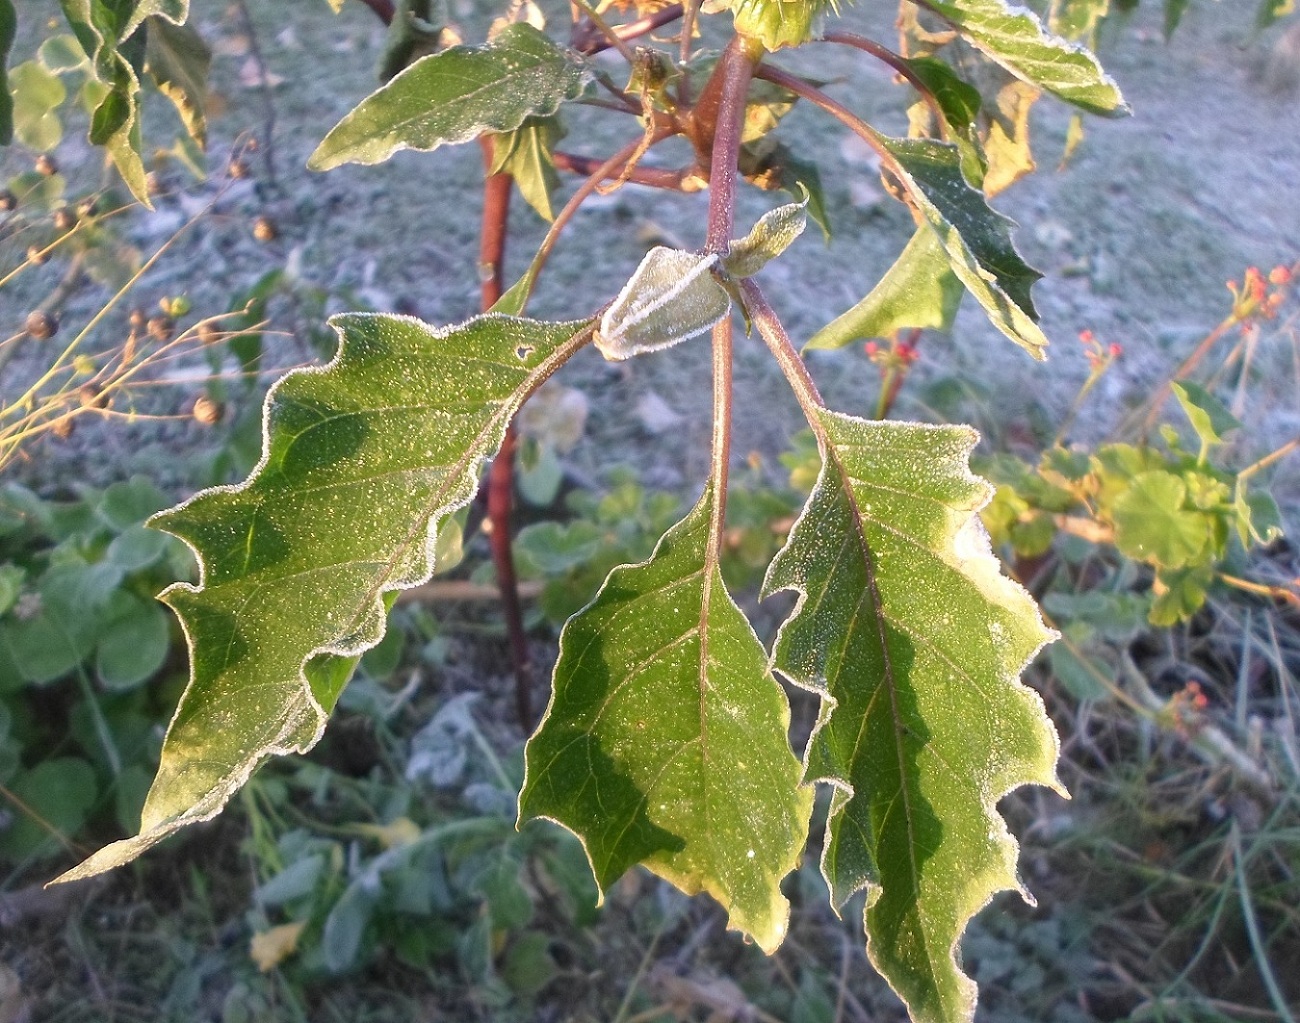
(501, 476)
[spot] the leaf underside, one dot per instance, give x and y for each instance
(919, 291)
(976, 238)
(362, 460)
(665, 741)
(1013, 37)
(454, 96)
(915, 640)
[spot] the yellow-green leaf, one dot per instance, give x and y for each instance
(915, 641)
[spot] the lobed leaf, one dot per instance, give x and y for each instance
(665, 739)
(976, 238)
(362, 461)
(454, 96)
(919, 291)
(1015, 38)
(915, 641)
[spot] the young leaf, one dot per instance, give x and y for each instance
(1210, 417)
(1015, 38)
(665, 739)
(38, 94)
(976, 238)
(525, 154)
(918, 291)
(672, 296)
(178, 60)
(915, 640)
(362, 461)
(775, 231)
(455, 96)
(770, 164)
(8, 28)
(104, 32)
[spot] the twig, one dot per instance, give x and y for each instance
(591, 41)
(899, 64)
(687, 179)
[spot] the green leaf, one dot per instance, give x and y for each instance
(671, 297)
(362, 460)
(8, 29)
(1258, 517)
(525, 154)
(918, 291)
(1179, 594)
(1209, 416)
(176, 12)
(1014, 38)
(178, 59)
(61, 54)
(775, 231)
(104, 31)
(665, 739)
(915, 640)
(61, 791)
(1152, 524)
(1174, 11)
(38, 94)
(455, 96)
(976, 238)
(770, 164)
(133, 643)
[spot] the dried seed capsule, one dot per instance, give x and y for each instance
(65, 219)
(207, 411)
(264, 229)
(138, 318)
(8, 201)
(36, 255)
(239, 168)
(62, 428)
(208, 333)
(88, 208)
(41, 325)
(154, 183)
(92, 396)
(161, 328)
(46, 165)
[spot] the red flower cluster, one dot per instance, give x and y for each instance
(1253, 298)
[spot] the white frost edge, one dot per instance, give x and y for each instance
(1004, 839)
(612, 334)
(208, 806)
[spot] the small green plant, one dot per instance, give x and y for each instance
(666, 742)
(79, 629)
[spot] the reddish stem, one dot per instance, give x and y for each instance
(652, 177)
(899, 64)
(589, 40)
(723, 103)
(383, 8)
(500, 483)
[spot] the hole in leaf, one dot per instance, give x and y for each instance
(523, 351)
